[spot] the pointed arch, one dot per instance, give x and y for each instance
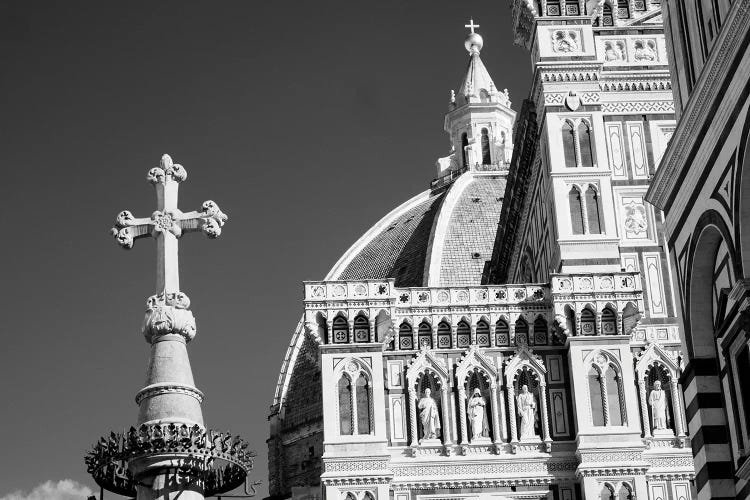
(345, 392)
(363, 391)
(405, 337)
(361, 328)
(483, 333)
(340, 330)
(522, 331)
(485, 140)
(424, 362)
(609, 321)
(424, 335)
(576, 210)
(502, 333)
(593, 211)
(444, 335)
(569, 141)
(585, 143)
(540, 331)
(588, 321)
(463, 334)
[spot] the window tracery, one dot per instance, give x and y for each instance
(340, 330)
(502, 333)
(444, 335)
(463, 334)
(361, 329)
(354, 396)
(483, 333)
(405, 337)
(424, 336)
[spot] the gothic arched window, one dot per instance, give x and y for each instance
(615, 415)
(361, 329)
(607, 19)
(569, 145)
(425, 335)
(623, 9)
(346, 426)
(596, 397)
(576, 210)
(486, 159)
(502, 333)
(444, 335)
(463, 334)
(364, 405)
(464, 146)
(522, 331)
(588, 322)
(592, 211)
(609, 322)
(585, 144)
(483, 333)
(540, 331)
(340, 330)
(405, 337)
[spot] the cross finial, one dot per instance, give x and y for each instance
(471, 25)
(167, 223)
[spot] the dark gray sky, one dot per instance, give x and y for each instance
(305, 121)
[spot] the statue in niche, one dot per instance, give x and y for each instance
(657, 400)
(526, 404)
(478, 416)
(428, 415)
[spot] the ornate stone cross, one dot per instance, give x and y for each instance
(168, 223)
(471, 25)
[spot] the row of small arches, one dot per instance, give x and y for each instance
(578, 146)
(585, 210)
(535, 334)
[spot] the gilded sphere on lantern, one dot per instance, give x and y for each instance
(474, 42)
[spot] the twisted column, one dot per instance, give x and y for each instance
(495, 413)
(605, 397)
(413, 417)
(621, 398)
(644, 407)
(543, 411)
(676, 408)
(462, 412)
(512, 411)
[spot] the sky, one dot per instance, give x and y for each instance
(305, 121)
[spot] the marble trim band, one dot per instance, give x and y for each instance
(168, 388)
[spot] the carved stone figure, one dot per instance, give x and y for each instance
(614, 51)
(428, 415)
(565, 41)
(526, 403)
(635, 220)
(645, 51)
(478, 416)
(657, 400)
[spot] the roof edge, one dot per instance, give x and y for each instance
(376, 229)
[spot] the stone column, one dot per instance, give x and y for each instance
(495, 414)
(512, 412)
(605, 397)
(473, 328)
(543, 414)
(619, 323)
(353, 396)
(676, 408)
(644, 408)
(462, 413)
(413, 417)
(598, 323)
(584, 188)
(503, 424)
(621, 398)
(446, 415)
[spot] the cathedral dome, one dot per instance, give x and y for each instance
(437, 238)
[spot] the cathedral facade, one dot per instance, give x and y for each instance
(703, 188)
(511, 332)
